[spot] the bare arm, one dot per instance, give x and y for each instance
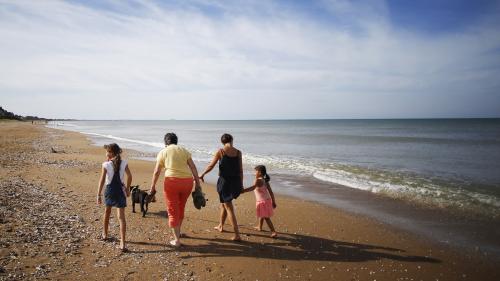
(194, 171)
(256, 183)
(272, 195)
(100, 185)
(129, 180)
(156, 175)
(210, 166)
(248, 189)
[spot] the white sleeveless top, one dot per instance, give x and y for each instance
(110, 171)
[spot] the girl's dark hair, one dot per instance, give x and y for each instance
(226, 138)
(116, 151)
(170, 138)
(263, 172)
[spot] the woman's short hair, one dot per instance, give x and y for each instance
(170, 138)
(226, 138)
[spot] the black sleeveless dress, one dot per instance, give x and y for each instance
(229, 184)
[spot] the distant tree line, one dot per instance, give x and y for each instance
(4, 114)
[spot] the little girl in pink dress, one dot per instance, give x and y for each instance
(264, 198)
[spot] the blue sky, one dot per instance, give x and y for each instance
(440, 16)
(250, 59)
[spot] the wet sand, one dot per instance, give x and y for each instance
(453, 227)
(49, 224)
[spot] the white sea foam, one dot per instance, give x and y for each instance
(65, 125)
(290, 184)
(358, 182)
(153, 144)
(381, 182)
(204, 155)
(424, 192)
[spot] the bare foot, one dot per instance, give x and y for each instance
(257, 228)
(219, 228)
(274, 234)
(122, 248)
(236, 238)
(175, 243)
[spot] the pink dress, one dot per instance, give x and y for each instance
(264, 203)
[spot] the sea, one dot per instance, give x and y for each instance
(384, 168)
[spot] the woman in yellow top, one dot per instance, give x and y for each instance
(180, 171)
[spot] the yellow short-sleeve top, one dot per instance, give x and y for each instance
(174, 159)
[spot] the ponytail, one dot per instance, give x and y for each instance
(267, 178)
(117, 161)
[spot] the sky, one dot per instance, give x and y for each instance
(194, 59)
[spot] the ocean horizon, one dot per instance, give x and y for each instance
(284, 119)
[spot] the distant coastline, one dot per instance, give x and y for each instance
(7, 115)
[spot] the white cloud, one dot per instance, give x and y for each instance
(61, 59)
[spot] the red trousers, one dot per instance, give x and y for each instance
(177, 191)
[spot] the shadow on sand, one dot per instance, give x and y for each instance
(284, 247)
(298, 247)
(162, 214)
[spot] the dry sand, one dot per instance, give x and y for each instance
(49, 224)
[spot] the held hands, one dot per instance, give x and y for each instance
(202, 178)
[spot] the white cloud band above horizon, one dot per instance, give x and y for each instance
(151, 61)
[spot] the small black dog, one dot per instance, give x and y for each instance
(140, 197)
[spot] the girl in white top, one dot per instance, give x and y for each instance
(112, 173)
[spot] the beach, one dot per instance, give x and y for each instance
(50, 222)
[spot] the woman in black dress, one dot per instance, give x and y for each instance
(230, 182)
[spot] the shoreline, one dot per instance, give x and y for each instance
(443, 190)
(449, 226)
(317, 242)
